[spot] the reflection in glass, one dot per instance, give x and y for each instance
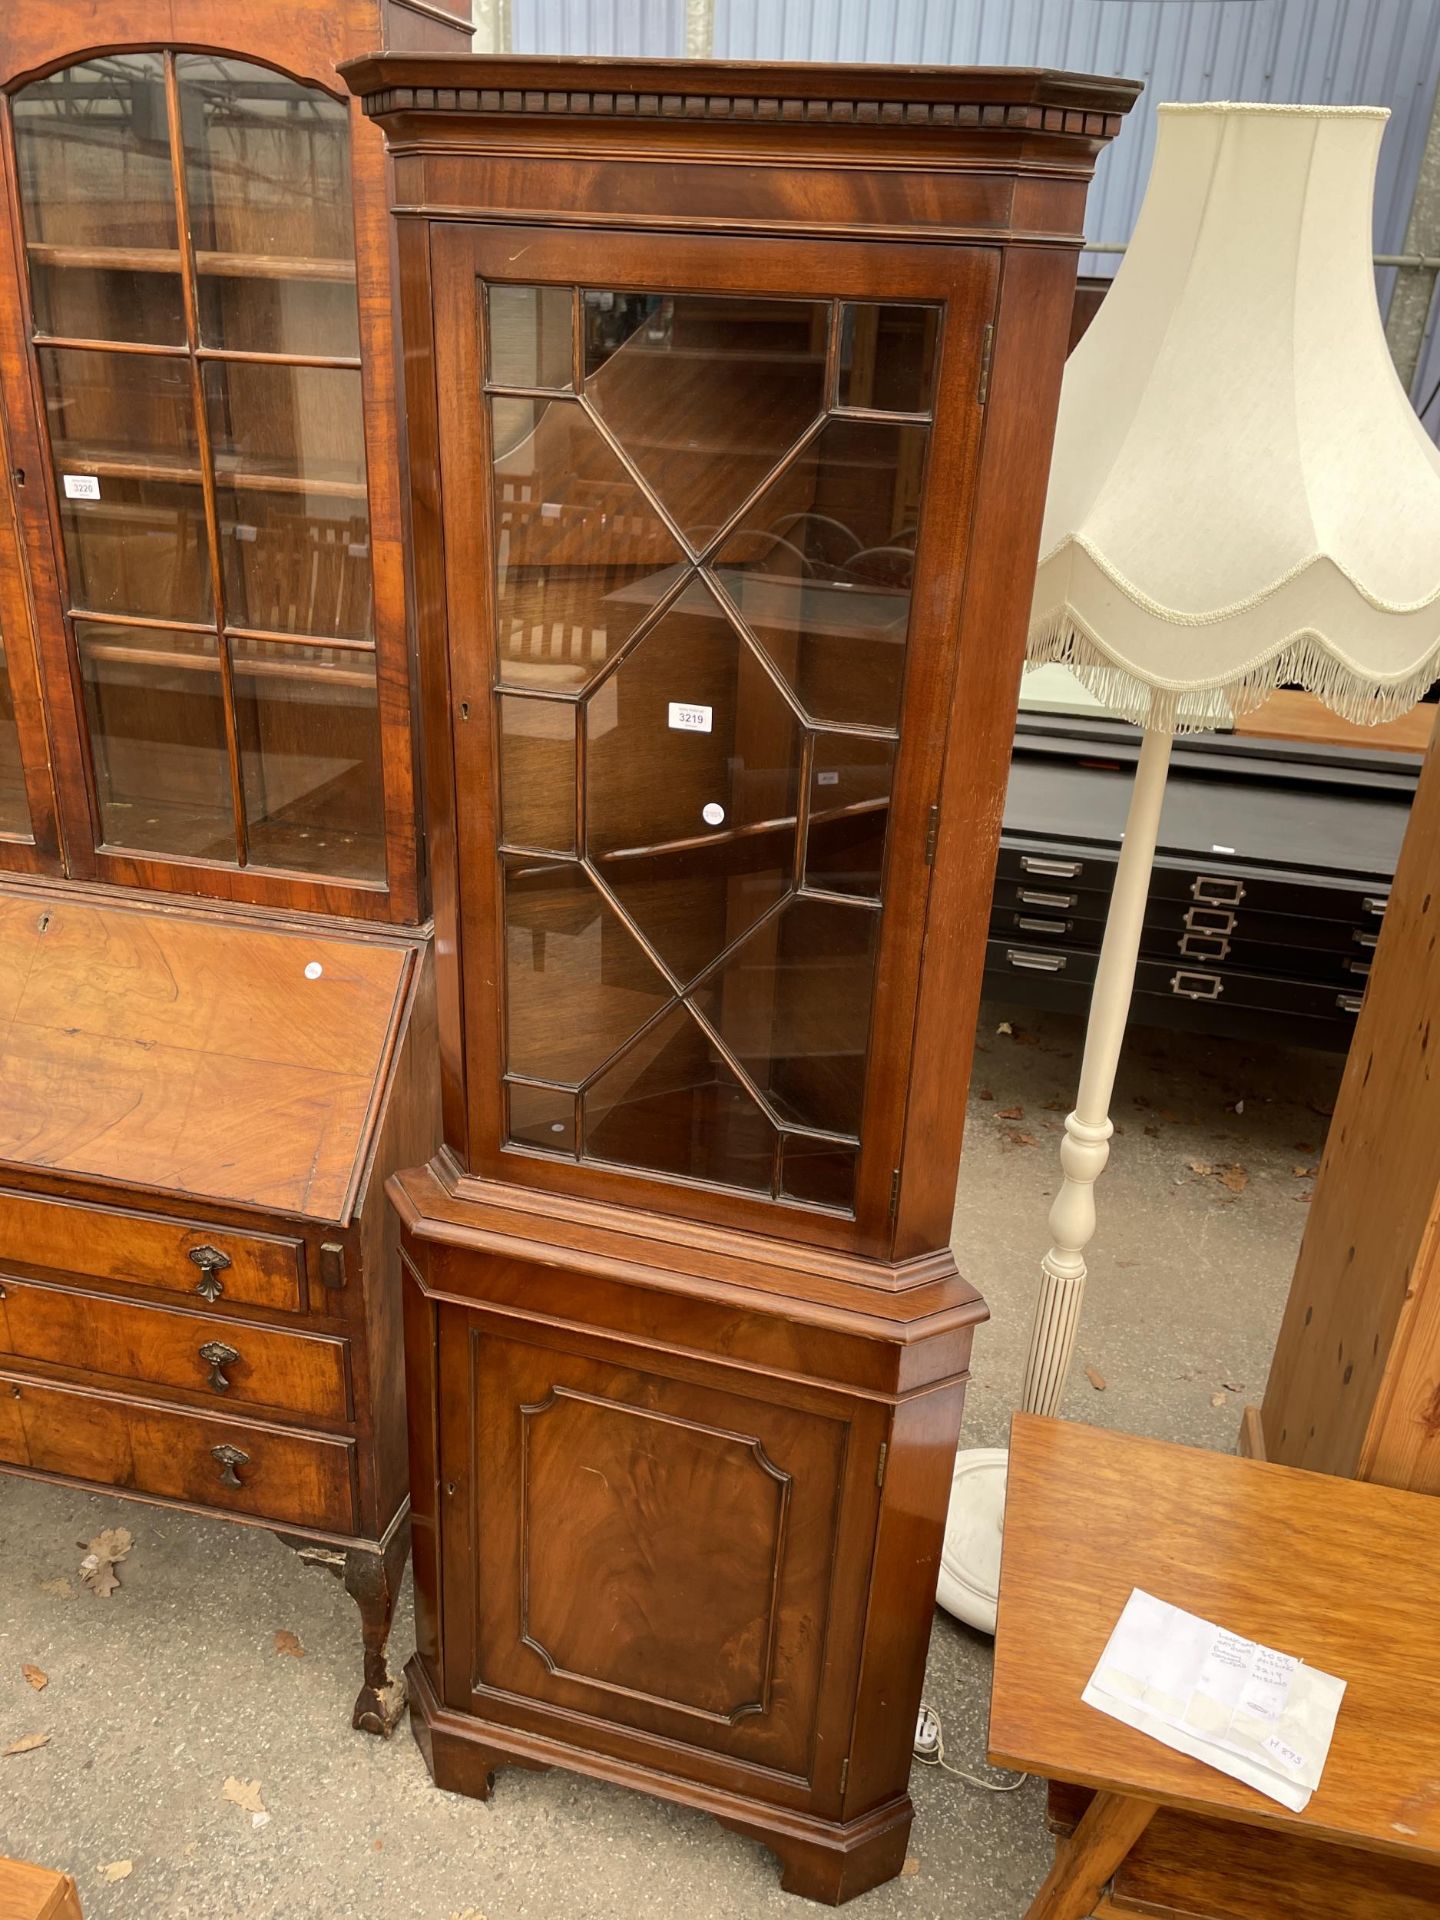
(289, 448)
(849, 813)
(14, 806)
(671, 1105)
(530, 336)
(887, 357)
(817, 1172)
(691, 792)
(793, 1007)
(577, 983)
(267, 167)
(310, 757)
(537, 774)
(92, 145)
(132, 515)
(704, 392)
(580, 553)
(540, 1117)
(821, 569)
(157, 732)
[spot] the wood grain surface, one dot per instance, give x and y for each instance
(1338, 1573)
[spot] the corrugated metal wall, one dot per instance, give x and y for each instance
(1379, 52)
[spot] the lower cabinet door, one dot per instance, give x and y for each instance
(682, 1559)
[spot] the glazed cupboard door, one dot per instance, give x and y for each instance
(736, 1519)
(724, 493)
(189, 246)
(28, 834)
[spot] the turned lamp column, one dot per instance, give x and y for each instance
(1085, 1149)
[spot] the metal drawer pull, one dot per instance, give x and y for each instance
(1204, 946)
(216, 1355)
(1365, 939)
(1028, 923)
(1376, 903)
(1358, 966)
(1051, 869)
(1217, 890)
(212, 1263)
(1197, 986)
(1209, 920)
(1349, 1002)
(230, 1458)
(1062, 902)
(1036, 962)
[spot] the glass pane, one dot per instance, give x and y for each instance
(537, 774)
(93, 147)
(530, 336)
(581, 554)
(704, 392)
(849, 813)
(309, 740)
(793, 1006)
(540, 1117)
(691, 792)
(822, 567)
(577, 984)
(127, 472)
(671, 1105)
(157, 733)
(289, 449)
(267, 165)
(14, 807)
(816, 1172)
(887, 357)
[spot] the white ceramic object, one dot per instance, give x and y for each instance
(970, 1559)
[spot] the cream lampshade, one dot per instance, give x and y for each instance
(1241, 497)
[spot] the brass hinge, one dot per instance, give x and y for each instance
(844, 1775)
(880, 1463)
(986, 346)
(932, 834)
(894, 1193)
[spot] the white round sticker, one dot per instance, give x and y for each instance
(712, 813)
(313, 970)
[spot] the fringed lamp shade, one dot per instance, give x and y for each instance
(1242, 496)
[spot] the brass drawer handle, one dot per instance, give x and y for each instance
(230, 1458)
(216, 1355)
(1376, 904)
(1062, 902)
(1370, 940)
(212, 1263)
(1030, 923)
(1051, 869)
(1036, 962)
(1349, 1002)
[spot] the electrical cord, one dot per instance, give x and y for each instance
(930, 1752)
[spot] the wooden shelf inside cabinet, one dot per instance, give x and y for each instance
(733, 658)
(229, 266)
(243, 475)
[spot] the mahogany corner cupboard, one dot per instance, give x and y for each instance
(729, 394)
(216, 996)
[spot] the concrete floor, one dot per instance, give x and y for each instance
(158, 1694)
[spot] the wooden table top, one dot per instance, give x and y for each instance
(1341, 1573)
(157, 1047)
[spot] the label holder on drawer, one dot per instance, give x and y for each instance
(1196, 986)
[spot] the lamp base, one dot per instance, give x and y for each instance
(970, 1559)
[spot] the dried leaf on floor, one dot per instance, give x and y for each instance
(1152, 1133)
(1218, 1400)
(1202, 1167)
(1057, 1106)
(287, 1642)
(97, 1569)
(1004, 1027)
(1018, 1137)
(911, 1867)
(1234, 1178)
(467, 1913)
(1323, 1107)
(1096, 1378)
(1010, 1113)
(245, 1794)
(62, 1588)
(27, 1744)
(118, 1870)
(985, 1094)
(1304, 1146)
(1304, 1173)
(37, 1676)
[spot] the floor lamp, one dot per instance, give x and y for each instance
(1241, 498)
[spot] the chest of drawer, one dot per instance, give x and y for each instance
(208, 1262)
(234, 1360)
(272, 1473)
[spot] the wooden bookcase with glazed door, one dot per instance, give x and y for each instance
(729, 393)
(216, 996)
